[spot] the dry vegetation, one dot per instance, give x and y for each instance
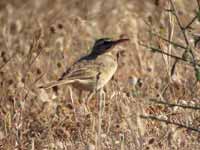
(145, 107)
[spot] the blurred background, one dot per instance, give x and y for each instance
(39, 39)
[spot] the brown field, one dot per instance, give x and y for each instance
(39, 39)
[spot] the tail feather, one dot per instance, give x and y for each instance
(55, 83)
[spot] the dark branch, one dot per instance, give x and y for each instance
(191, 22)
(175, 105)
(154, 49)
(179, 22)
(171, 42)
(170, 122)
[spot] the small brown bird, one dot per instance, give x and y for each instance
(92, 71)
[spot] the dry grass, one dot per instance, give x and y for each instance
(40, 38)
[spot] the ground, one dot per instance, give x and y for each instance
(39, 39)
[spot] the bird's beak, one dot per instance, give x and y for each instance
(117, 42)
(120, 41)
(109, 45)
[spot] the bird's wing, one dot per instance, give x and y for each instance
(84, 69)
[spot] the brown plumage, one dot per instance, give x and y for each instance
(92, 71)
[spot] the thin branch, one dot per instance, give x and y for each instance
(150, 117)
(198, 3)
(2, 66)
(191, 22)
(175, 105)
(179, 22)
(173, 67)
(170, 42)
(34, 46)
(185, 37)
(171, 27)
(194, 18)
(37, 79)
(165, 53)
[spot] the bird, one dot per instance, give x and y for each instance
(92, 71)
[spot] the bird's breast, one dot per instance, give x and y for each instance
(107, 70)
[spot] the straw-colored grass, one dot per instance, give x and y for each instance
(39, 39)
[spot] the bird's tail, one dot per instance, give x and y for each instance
(55, 83)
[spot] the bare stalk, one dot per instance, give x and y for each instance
(150, 117)
(183, 30)
(175, 105)
(154, 49)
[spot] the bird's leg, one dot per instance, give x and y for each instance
(101, 111)
(72, 99)
(102, 97)
(74, 109)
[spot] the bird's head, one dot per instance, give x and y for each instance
(104, 45)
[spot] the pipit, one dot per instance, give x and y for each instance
(92, 71)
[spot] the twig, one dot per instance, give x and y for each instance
(34, 46)
(165, 53)
(178, 21)
(170, 122)
(191, 22)
(74, 110)
(194, 18)
(198, 3)
(174, 105)
(2, 66)
(185, 37)
(170, 42)
(170, 37)
(100, 114)
(37, 79)
(101, 100)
